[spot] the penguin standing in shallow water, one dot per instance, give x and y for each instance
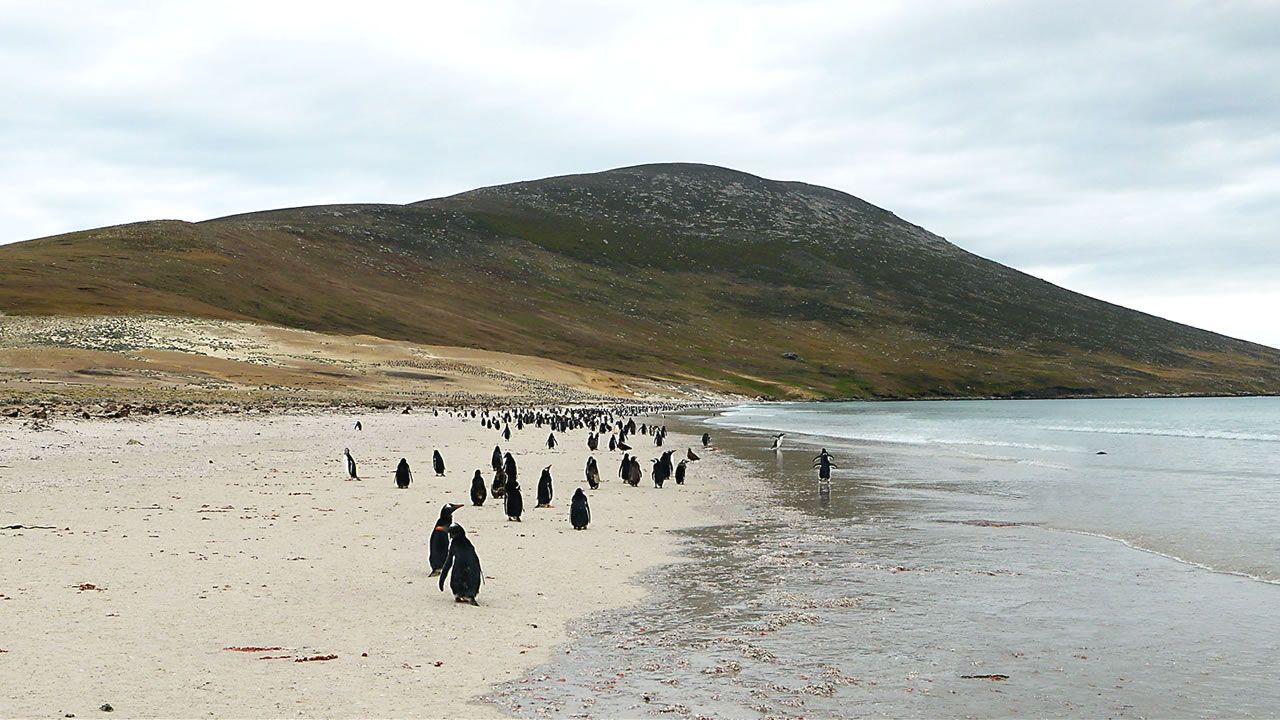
(579, 510)
(404, 475)
(437, 461)
(351, 464)
(464, 565)
(544, 488)
(478, 491)
(440, 538)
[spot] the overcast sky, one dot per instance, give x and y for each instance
(1127, 150)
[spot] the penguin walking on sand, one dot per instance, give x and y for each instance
(509, 466)
(635, 474)
(680, 472)
(545, 492)
(496, 460)
(437, 462)
(478, 491)
(658, 477)
(593, 473)
(593, 442)
(351, 464)
(404, 475)
(513, 501)
(579, 510)
(359, 427)
(613, 443)
(463, 564)
(706, 439)
(506, 433)
(440, 538)
(624, 468)
(551, 441)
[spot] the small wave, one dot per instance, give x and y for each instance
(1164, 432)
(1168, 556)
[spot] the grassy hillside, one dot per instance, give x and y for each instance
(683, 271)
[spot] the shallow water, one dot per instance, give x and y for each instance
(962, 539)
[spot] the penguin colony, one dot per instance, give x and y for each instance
(451, 555)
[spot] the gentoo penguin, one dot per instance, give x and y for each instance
(509, 466)
(499, 483)
(464, 564)
(359, 427)
(624, 468)
(593, 473)
(579, 510)
(777, 442)
(440, 538)
(667, 467)
(405, 411)
(544, 488)
(551, 441)
(593, 442)
(496, 461)
(506, 432)
(657, 473)
(513, 502)
(680, 472)
(404, 475)
(437, 462)
(636, 474)
(657, 439)
(478, 491)
(824, 462)
(706, 439)
(351, 464)
(613, 443)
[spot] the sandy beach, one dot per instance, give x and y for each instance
(151, 546)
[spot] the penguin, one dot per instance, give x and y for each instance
(579, 510)
(692, 455)
(464, 564)
(667, 467)
(351, 464)
(658, 479)
(593, 442)
(551, 441)
(499, 483)
(680, 472)
(478, 491)
(404, 475)
(544, 488)
(405, 411)
(506, 432)
(777, 442)
(359, 427)
(509, 466)
(440, 538)
(613, 443)
(496, 460)
(438, 463)
(824, 462)
(635, 473)
(624, 468)
(512, 501)
(593, 473)
(657, 439)
(706, 439)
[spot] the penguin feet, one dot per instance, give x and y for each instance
(473, 602)
(434, 573)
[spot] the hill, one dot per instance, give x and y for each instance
(687, 272)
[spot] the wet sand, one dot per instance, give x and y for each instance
(243, 531)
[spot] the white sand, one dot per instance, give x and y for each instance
(243, 531)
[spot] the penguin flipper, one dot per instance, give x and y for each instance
(444, 571)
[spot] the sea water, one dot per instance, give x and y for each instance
(1065, 558)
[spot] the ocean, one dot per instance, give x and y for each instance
(1049, 558)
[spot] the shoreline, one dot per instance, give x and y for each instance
(241, 531)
